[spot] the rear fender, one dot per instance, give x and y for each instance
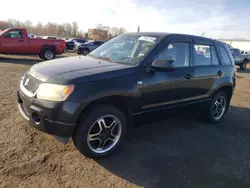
(225, 81)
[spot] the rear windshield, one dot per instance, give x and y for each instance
(235, 52)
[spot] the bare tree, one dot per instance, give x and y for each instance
(62, 30)
(74, 29)
(68, 29)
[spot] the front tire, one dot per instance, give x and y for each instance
(100, 131)
(217, 108)
(85, 52)
(78, 52)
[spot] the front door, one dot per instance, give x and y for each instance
(163, 88)
(15, 42)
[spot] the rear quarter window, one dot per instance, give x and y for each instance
(225, 57)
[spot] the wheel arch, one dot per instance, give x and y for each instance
(46, 46)
(84, 48)
(118, 101)
(227, 88)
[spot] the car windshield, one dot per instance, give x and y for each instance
(235, 52)
(126, 49)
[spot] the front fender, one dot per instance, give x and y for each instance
(122, 88)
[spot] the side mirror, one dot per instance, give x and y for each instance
(164, 64)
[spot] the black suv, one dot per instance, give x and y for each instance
(95, 98)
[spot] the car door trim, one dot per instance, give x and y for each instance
(174, 102)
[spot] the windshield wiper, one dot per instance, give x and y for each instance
(106, 58)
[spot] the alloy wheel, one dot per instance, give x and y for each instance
(48, 55)
(104, 134)
(219, 107)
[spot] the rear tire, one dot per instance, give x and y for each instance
(47, 54)
(243, 66)
(91, 132)
(217, 108)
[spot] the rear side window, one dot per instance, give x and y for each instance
(225, 57)
(205, 55)
(214, 56)
(202, 55)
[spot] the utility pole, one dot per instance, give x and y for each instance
(138, 29)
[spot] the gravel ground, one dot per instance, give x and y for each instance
(179, 152)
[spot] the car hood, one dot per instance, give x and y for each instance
(72, 70)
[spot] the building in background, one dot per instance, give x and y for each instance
(237, 43)
(97, 34)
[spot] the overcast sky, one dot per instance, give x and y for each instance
(215, 18)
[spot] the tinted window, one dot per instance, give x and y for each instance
(225, 56)
(82, 40)
(235, 52)
(214, 56)
(14, 34)
(97, 43)
(202, 55)
(205, 55)
(179, 52)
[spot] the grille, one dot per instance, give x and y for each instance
(30, 83)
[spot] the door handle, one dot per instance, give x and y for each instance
(220, 73)
(20, 40)
(188, 76)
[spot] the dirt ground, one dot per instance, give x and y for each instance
(179, 152)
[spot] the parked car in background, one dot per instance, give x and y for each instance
(88, 47)
(96, 99)
(240, 59)
(17, 41)
(49, 37)
(76, 44)
(70, 43)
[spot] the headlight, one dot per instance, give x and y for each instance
(54, 92)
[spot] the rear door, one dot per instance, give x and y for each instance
(15, 41)
(165, 88)
(207, 68)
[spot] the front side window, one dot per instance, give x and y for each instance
(14, 34)
(179, 52)
(127, 48)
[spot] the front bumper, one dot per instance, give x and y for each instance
(53, 118)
